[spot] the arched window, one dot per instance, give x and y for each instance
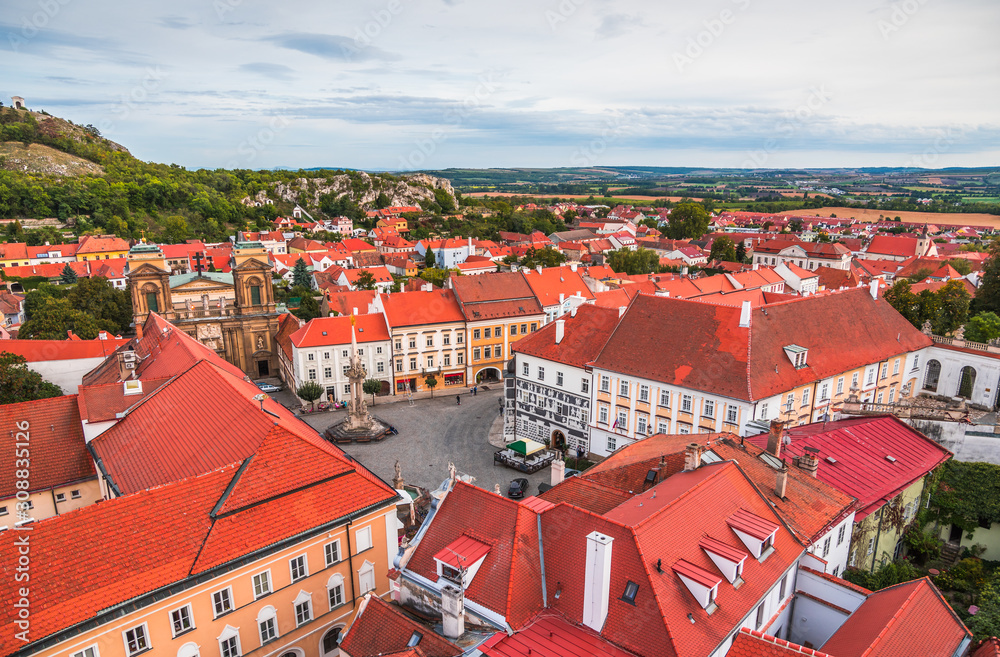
(932, 375)
(189, 649)
(967, 382)
(335, 591)
(267, 624)
(255, 288)
(366, 577)
(151, 292)
(331, 642)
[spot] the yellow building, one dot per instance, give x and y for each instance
(14, 254)
(105, 247)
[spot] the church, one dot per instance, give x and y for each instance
(234, 314)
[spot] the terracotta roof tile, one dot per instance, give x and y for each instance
(751, 643)
(324, 331)
(383, 629)
(416, 308)
(583, 338)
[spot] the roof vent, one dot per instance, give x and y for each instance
(324, 332)
(132, 387)
(414, 639)
(832, 460)
(890, 459)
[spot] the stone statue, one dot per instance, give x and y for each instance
(960, 333)
(397, 481)
(260, 342)
(451, 471)
(357, 408)
(496, 489)
(926, 328)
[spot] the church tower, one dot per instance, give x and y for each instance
(149, 282)
(252, 279)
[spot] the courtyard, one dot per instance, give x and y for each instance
(432, 433)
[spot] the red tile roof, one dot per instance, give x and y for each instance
(324, 331)
(551, 635)
(383, 629)
(40, 351)
(583, 337)
(704, 577)
(463, 552)
(553, 281)
(586, 494)
(53, 431)
(13, 251)
(907, 619)
(417, 308)
(861, 447)
(702, 347)
(748, 523)
(495, 295)
(344, 303)
(103, 402)
(89, 244)
(892, 245)
(989, 648)
(751, 643)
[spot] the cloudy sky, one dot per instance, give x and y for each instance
(413, 84)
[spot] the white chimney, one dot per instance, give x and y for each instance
(538, 268)
(621, 310)
(557, 472)
(572, 311)
(874, 288)
(572, 267)
(355, 311)
(562, 298)
(597, 585)
(453, 611)
(560, 330)
(745, 314)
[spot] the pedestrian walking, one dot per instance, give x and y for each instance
(458, 399)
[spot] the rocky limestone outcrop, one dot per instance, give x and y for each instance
(363, 188)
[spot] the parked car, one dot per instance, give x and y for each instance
(268, 387)
(517, 488)
(570, 473)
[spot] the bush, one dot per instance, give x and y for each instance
(921, 545)
(894, 572)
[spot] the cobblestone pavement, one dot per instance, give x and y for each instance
(433, 432)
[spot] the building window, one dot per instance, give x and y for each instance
(665, 398)
(476, 353)
(366, 577)
(268, 630)
(90, 651)
(312, 375)
(230, 647)
(460, 358)
(783, 588)
(622, 422)
(854, 381)
(661, 426)
(430, 340)
(399, 345)
(413, 363)
(430, 362)
(916, 361)
(261, 584)
(686, 403)
(585, 385)
(541, 373)
(709, 408)
(60, 497)
(299, 568)
(640, 424)
(136, 640)
(413, 343)
(885, 370)
(644, 393)
(602, 414)
(824, 391)
(331, 641)
(447, 360)
(328, 372)
(310, 357)
(683, 428)
(826, 547)
(895, 367)
(836, 570)
(559, 378)
(871, 545)
(534, 326)
(399, 365)
(335, 591)
(488, 352)
(254, 295)
(513, 329)
(878, 400)
(331, 553)
(222, 601)
(363, 539)
(380, 367)
(525, 369)
(840, 386)
(871, 377)
(731, 414)
(180, 620)
(760, 616)
(612, 444)
(605, 383)
(459, 338)
(892, 395)
(476, 334)
(841, 533)
(75, 495)
(303, 613)
(623, 388)
(805, 397)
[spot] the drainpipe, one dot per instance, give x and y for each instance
(350, 561)
(878, 535)
(541, 560)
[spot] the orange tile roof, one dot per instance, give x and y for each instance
(751, 643)
(842, 331)
(89, 244)
(989, 648)
(549, 634)
(55, 439)
(553, 281)
(38, 351)
(587, 494)
(13, 251)
(418, 308)
(103, 402)
(893, 245)
(584, 336)
(384, 629)
(345, 302)
(324, 331)
(907, 619)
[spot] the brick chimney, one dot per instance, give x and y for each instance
(774, 438)
(557, 472)
(781, 481)
(810, 460)
(692, 457)
(453, 611)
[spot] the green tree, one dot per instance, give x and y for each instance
(723, 248)
(309, 308)
(110, 307)
(372, 387)
(983, 327)
(961, 265)
(986, 622)
(175, 229)
(988, 293)
(741, 252)
(68, 275)
(310, 391)
(902, 298)
(430, 259)
(445, 200)
(365, 281)
(431, 382)
(688, 221)
(640, 261)
(54, 319)
(300, 274)
(547, 257)
(18, 383)
(953, 307)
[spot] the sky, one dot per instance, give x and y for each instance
(432, 84)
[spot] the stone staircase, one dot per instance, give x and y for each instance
(950, 552)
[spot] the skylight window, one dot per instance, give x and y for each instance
(414, 640)
(710, 457)
(631, 590)
(797, 355)
(771, 460)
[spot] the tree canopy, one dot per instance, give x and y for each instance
(723, 248)
(688, 221)
(18, 383)
(640, 261)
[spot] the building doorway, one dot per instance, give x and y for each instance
(489, 375)
(263, 369)
(558, 440)
(967, 383)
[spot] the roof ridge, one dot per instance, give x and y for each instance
(784, 643)
(684, 494)
(895, 617)
(649, 578)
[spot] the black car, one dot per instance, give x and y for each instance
(517, 487)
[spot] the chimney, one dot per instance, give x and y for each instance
(781, 482)
(572, 267)
(470, 243)
(745, 314)
(621, 310)
(562, 299)
(774, 438)
(597, 584)
(138, 332)
(684, 270)
(873, 288)
(560, 330)
(810, 461)
(538, 268)
(572, 311)
(558, 472)
(692, 457)
(355, 311)
(453, 611)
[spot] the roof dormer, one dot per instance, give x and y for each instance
(459, 561)
(756, 533)
(726, 558)
(797, 355)
(702, 584)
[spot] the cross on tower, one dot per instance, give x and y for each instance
(197, 263)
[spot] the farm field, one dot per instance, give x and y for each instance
(872, 215)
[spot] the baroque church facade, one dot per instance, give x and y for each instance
(233, 314)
